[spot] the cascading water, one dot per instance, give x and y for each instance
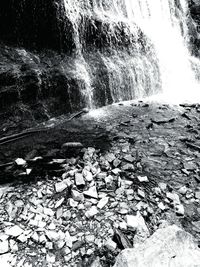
(166, 25)
(127, 49)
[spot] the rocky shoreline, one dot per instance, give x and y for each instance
(93, 199)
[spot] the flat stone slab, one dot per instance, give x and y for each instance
(170, 246)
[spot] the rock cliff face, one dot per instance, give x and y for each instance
(194, 6)
(96, 60)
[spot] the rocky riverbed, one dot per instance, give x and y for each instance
(84, 189)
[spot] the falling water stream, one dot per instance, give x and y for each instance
(165, 66)
(166, 26)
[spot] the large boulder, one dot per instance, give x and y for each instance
(167, 247)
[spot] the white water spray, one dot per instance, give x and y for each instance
(166, 26)
(136, 74)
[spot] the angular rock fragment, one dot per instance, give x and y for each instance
(91, 192)
(77, 196)
(60, 187)
(79, 180)
(4, 246)
(91, 212)
(170, 246)
(14, 231)
(103, 202)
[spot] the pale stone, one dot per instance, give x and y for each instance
(174, 197)
(87, 175)
(59, 203)
(103, 202)
(143, 179)
(137, 223)
(180, 209)
(60, 187)
(79, 180)
(77, 196)
(161, 206)
(68, 240)
(110, 244)
(73, 203)
(91, 192)
(14, 231)
(4, 246)
(20, 162)
(91, 212)
(170, 246)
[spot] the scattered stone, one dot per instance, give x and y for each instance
(110, 157)
(20, 162)
(161, 206)
(128, 167)
(129, 158)
(87, 175)
(73, 203)
(141, 193)
(59, 213)
(91, 192)
(79, 180)
(60, 187)
(180, 210)
(4, 246)
(59, 203)
(162, 186)
(103, 202)
(143, 179)
(197, 195)
(116, 163)
(91, 212)
(173, 197)
(14, 231)
(183, 190)
(68, 240)
(116, 171)
(110, 244)
(79, 197)
(137, 223)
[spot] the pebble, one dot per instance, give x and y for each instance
(161, 206)
(110, 157)
(59, 203)
(79, 197)
(20, 162)
(91, 192)
(180, 209)
(87, 175)
(141, 193)
(110, 244)
(129, 158)
(4, 246)
(183, 190)
(79, 180)
(197, 195)
(60, 187)
(68, 239)
(174, 197)
(91, 212)
(128, 167)
(116, 163)
(143, 179)
(14, 231)
(73, 203)
(103, 202)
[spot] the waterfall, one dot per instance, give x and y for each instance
(127, 49)
(166, 25)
